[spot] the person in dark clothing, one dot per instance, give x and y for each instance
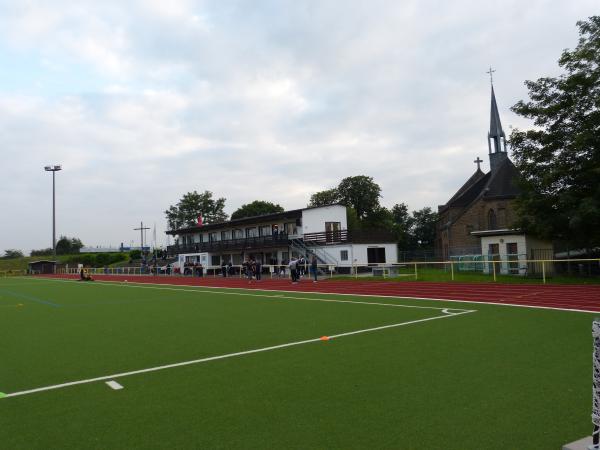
(314, 267)
(258, 270)
(84, 276)
(224, 269)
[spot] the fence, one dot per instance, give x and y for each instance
(514, 268)
(11, 273)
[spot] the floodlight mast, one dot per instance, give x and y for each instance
(53, 169)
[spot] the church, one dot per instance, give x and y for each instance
(478, 219)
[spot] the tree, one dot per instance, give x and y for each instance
(67, 246)
(185, 213)
(12, 254)
(402, 228)
(559, 160)
(42, 252)
(324, 198)
(256, 208)
(361, 193)
(423, 224)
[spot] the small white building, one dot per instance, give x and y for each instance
(514, 249)
(275, 238)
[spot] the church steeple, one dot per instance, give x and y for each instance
(496, 136)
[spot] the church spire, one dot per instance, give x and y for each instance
(496, 136)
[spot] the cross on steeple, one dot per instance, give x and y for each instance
(491, 71)
(478, 161)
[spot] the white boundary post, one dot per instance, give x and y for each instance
(596, 386)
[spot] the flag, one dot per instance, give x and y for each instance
(200, 220)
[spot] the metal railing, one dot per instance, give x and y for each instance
(494, 269)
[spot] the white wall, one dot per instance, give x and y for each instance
(313, 220)
(357, 253)
(502, 240)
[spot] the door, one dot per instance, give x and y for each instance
(493, 255)
(376, 255)
(332, 231)
(512, 254)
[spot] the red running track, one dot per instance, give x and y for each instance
(575, 297)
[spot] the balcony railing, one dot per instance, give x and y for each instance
(344, 236)
(283, 240)
(241, 244)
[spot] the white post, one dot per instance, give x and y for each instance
(596, 386)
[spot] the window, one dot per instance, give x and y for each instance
(344, 255)
(251, 232)
(212, 237)
(238, 234)
(492, 224)
(225, 235)
(265, 230)
(290, 228)
(215, 260)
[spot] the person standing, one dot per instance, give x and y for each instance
(314, 267)
(294, 270)
(258, 270)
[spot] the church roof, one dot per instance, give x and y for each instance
(499, 184)
(470, 190)
(503, 182)
(495, 125)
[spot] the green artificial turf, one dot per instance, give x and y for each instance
(498, 378)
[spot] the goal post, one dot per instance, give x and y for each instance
(596, 386)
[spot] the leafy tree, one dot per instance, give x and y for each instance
(402, 227)
(256, 208)
(560, 159)
(185, 213)
(67, 246)
(324, 198)
(12, 254)
(361, 193)
(42, 252)
(423, 227)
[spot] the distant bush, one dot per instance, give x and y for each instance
(135, 254)
(12, 254)
(42, 252)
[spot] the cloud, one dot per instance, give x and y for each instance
(143, 101)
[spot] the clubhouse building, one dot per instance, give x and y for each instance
(275, 238)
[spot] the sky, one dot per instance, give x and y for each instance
(143, 101)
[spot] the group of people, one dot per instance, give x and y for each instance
(298, 269)
(252, 268)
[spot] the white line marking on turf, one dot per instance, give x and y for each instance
(229, 355)
(204, 290)
(114, 385)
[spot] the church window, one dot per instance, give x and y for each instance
(492, 224)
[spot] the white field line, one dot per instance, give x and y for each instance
(471, 302)
(203, 290)
(228, 355)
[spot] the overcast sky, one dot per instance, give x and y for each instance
(143, 101)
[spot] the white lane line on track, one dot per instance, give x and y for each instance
(228, 355)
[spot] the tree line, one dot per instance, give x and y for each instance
(360, 194)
